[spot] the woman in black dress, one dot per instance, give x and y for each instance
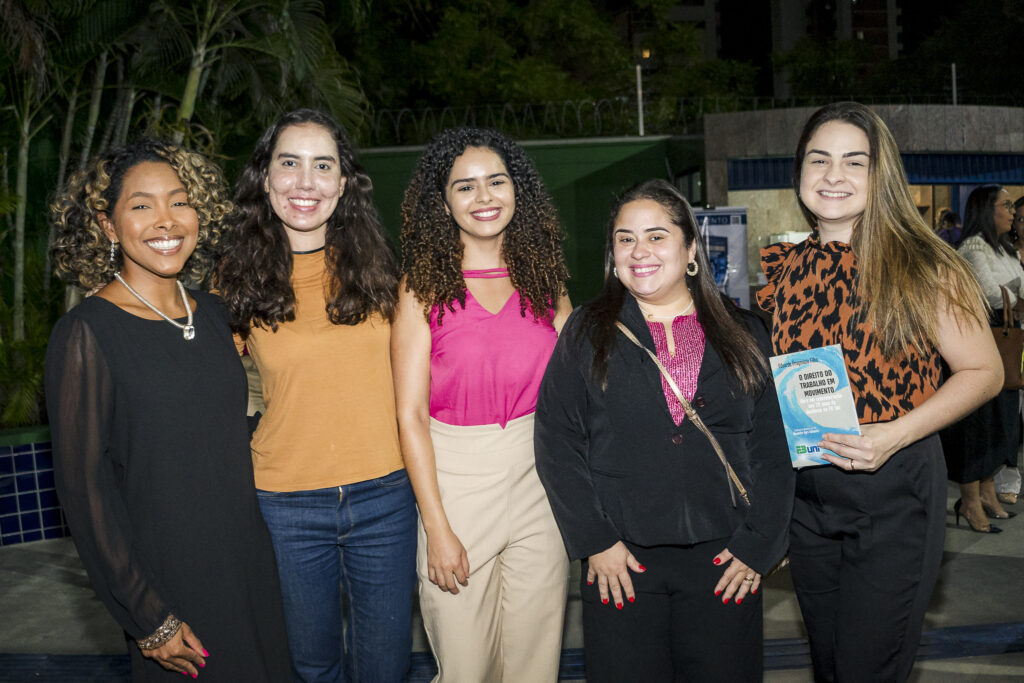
(146, 398)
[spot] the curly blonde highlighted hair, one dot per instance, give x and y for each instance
(81, 251)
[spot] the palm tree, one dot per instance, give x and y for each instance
(27, 34)
(256, 50)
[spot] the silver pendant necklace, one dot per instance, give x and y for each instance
(188, 330)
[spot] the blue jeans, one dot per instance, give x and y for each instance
(360, 540)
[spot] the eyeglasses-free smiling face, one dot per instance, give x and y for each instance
(304, 183)
(834, 178)
(152, 220)
(651, 255)
(479, 195)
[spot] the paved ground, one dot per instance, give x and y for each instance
(48, 607)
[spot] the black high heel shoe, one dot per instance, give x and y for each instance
(992, 515)
(956, 511)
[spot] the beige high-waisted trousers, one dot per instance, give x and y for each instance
(506, 625)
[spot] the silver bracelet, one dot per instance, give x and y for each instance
(161, 635)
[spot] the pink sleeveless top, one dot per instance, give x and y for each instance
(485, 368)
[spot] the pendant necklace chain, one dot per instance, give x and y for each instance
(188, 330)
(652, 316)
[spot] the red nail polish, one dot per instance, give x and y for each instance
(753, 591)
(726, 601)
(739, 601)
(205, 653)
(718, 560)
(195, 675)
(618, 605)
(604, 601)
(202, 665)
(631, 598)
(718, 592)
(590, 583)
(643, 568)
(184, 673)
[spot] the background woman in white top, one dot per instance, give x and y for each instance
(988, 438)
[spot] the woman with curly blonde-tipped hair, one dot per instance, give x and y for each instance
(146, 398)
(482, 298)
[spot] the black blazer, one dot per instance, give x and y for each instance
(616, 467)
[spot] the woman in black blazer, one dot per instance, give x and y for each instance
(673, 554)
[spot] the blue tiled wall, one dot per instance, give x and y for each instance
(29, 510)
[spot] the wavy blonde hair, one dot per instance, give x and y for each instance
(902, 263)
(81, 250)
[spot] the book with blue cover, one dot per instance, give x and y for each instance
(815, 397)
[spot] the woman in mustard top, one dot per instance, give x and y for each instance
(312, 286)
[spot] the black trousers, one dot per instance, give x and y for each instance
(865, 550)
(677, 630)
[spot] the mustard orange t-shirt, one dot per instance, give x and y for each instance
(330, 400)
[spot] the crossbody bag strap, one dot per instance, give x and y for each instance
(694, 417)
(1007, 312)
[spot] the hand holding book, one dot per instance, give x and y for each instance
(866, 452)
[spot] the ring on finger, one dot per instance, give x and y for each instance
(748, 579)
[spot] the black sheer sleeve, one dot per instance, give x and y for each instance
(80, 399)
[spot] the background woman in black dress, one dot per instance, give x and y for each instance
(146, 398)
(987, 438)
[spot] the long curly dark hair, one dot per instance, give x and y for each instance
(254, 276)
(80, 249)
(722, 321)
(432, 251)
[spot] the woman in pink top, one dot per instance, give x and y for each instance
(482, 298)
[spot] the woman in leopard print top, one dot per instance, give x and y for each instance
(867, 531)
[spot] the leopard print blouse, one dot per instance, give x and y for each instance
(811, 294)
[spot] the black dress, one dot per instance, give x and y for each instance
(987, 437)
(151, 456)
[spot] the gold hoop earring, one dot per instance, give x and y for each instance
(695, 268)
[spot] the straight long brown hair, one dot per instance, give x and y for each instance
(902, 263)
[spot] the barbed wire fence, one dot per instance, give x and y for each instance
(609, 117)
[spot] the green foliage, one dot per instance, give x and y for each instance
(830, 68)
(677, 66)
(481, 52)
(254, 59)
(21, 362)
